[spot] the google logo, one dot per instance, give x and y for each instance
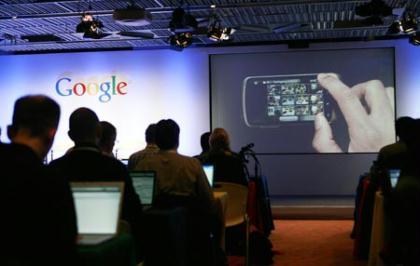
(105, 90)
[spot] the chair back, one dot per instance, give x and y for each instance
(196, 241)
(236, 203)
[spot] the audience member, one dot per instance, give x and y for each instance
(108, 136)
(150, 149)
(85, 162)
(38, 217)
(402, 205)
(182, 177)
(394, 156)
(228, 166)
(205, 146)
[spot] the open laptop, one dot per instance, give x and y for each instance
(98, 209)
(209, 170)
(144, 183)
(394, 175)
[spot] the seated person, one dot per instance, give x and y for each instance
(85, 162)
(228, 166)
(38, 216)
(403, 217)
(396, 155)
(205, 146)
(107, 140)
(182, 177)
(150, 149)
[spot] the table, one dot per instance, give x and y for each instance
(378, 231)
(221, 204)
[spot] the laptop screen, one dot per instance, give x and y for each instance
(209, 170)
(144, 184)
(394, 175)
(97, 208)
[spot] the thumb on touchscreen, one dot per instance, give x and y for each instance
(323, 140)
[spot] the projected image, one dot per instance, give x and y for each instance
(285, 99)
(323, 101)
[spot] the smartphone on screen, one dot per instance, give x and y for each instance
(273, 101)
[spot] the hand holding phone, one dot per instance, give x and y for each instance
(370, 126)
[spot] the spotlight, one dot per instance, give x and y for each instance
(181, 40)
(409, 24)
(218, 33)
(395, 28)
(182, 22)
(90, 27)
(414, 39)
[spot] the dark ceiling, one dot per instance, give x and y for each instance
(32, 26)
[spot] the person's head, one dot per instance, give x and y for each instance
(219, 139)
(34, 123)
(108, 136)
(151, 134)
(167, 134)
(405, 127)
(204, 141)
(84, 126)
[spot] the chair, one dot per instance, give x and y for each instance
(236, 209)
(178, 233)
(165, 237)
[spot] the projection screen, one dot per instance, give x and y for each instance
(323, 101)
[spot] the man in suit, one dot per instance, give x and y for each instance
(37, 208)
(85, 162)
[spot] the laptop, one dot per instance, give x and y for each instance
(209, 170)
(144, 183)
(98, 209)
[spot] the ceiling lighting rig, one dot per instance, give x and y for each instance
(90, 27)
(184, 26)
(216, 32)
(406, 25)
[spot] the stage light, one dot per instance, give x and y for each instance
(218, 33)
(414, 39)
(90, 27)
(409, 23)
(395, 28)
(181, 40)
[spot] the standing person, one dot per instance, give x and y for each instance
(38, 215)
(85, 162)
(150, 149)
(228, 166)
(108, 137)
